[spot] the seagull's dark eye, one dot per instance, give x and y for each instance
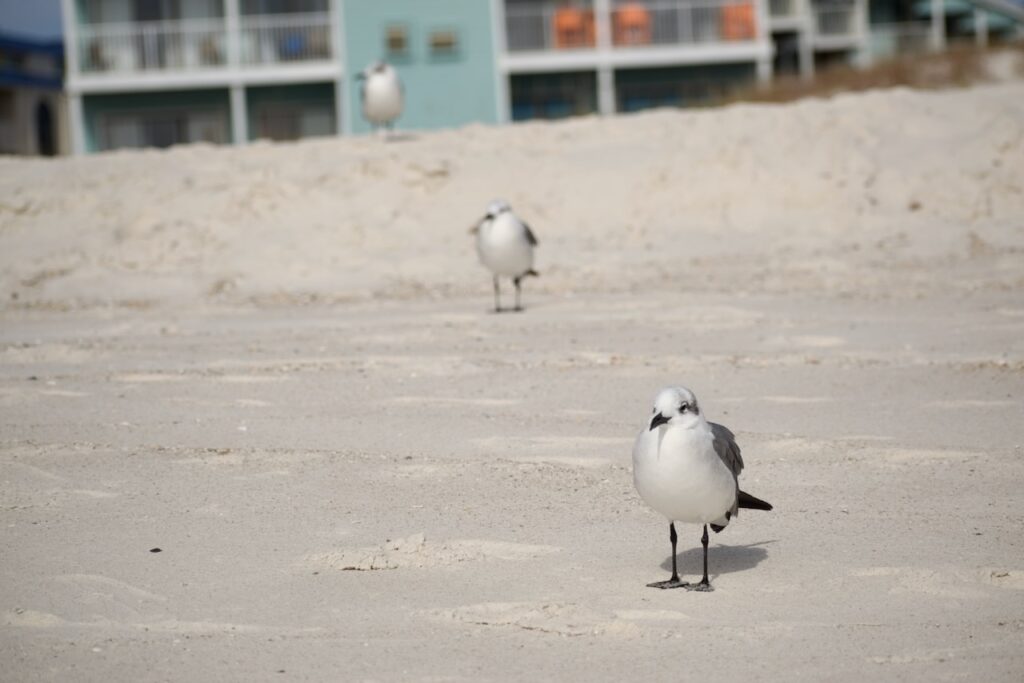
(683, 407)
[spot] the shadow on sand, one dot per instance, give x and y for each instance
(722, 559)
(400, 136)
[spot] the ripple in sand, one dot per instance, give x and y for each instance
(416, 552)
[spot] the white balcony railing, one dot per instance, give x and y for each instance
(547, 26)
(273, 39)
(835, 20)
(674, 22)
(199, 44)
(783, 9)
(152, 45)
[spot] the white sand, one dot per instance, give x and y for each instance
(276, 365)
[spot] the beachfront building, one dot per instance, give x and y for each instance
(32, 112)
(154, 73)
(566, 57)
(146, 73)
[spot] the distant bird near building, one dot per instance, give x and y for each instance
(382, 94)
(505, 246)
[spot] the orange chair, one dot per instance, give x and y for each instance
(632, 25)
(738, 22)
(574, 27)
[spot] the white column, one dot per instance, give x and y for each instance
(606, 90)
(863, 57)
(804, 39)
(764, 38)
(76, 123)
(342, 125)
(239, 115)
(72, 69)
(342, 116)
(937, 39)
(605, 71)
(501, 96)
(980, 27)
(232, 24)
(806, 57)
(70, 17)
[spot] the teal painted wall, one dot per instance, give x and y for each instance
(94, 106)
(441, 90)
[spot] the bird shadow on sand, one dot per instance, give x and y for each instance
(722, 559)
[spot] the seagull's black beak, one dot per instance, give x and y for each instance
(476, 227)
(658, 420)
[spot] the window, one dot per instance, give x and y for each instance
(444, 43)
(396, 41)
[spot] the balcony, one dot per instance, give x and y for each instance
(835, 25)
(546, 26)
(280, 38)
(683, 22)
(131, 47)
(531, 26)
(195, 45)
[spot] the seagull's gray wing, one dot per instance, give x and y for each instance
(724, 442)
(529, 235)
(727, 448)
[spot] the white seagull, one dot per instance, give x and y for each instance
(687, 469)
(505, 246)
(382, 94)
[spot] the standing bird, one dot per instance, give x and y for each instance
(382, 94)
(687, 469)
(505, 246)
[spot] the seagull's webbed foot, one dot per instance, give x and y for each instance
(674, 582)
(702, 587)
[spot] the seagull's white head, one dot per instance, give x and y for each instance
(676, 407)
(496, 207)
(378, 67)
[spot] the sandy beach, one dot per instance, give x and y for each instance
(276, 365)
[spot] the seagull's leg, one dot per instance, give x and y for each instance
(673, 582)
(704, 586)
(497, 295)
(516, 282)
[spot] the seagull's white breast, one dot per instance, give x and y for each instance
(382, 97)
(503, 245)
(678, 473)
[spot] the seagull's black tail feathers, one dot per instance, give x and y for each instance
(749, 502)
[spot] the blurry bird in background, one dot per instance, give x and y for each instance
(505, 246)
(382, 95)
